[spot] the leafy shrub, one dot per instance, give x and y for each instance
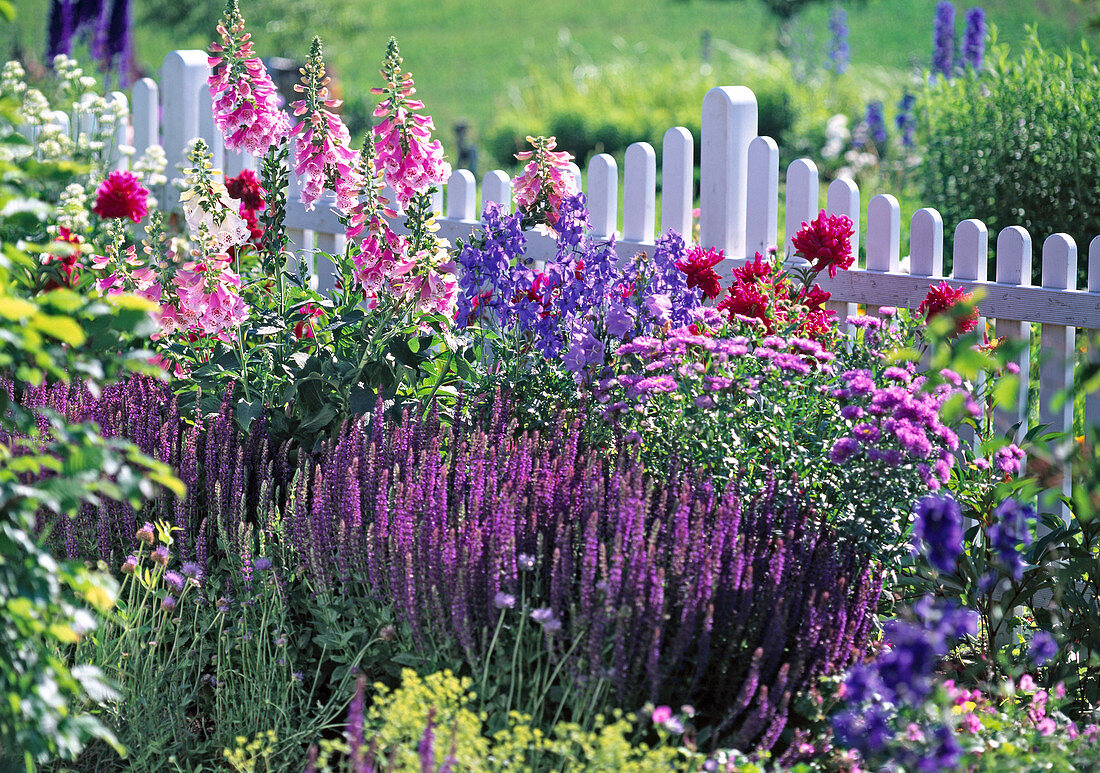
(431, 723)
(602, 108)
(1016, 144)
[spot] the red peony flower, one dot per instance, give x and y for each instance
(246, 187)
(941, 298)
(813, 297)
(748, 299)
(699, 267)
(826, 242)
(757, 270)
(121, 195)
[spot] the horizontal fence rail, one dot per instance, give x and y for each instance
(738, 205)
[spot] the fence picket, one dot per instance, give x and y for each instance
(729, 125)
(603, 195)
(842, 198)
(461, 190)
(762, 219)
(1092, 398)
(802, 196)
(883, 233)
(144, 115)
(1014, 268)
(577, 179)
(677, 181)
(496, 186)
(208, 130)
(926, 243)
(639, 192)
(122, 131)
(1056, 350)
(183, 77)
(970, 256)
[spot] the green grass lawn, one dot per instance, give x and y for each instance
(465, 53)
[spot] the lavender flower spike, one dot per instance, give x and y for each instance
(943, 37)
(973, 53)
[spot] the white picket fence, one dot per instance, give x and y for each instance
(739, 199)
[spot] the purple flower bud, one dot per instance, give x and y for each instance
(168, 603)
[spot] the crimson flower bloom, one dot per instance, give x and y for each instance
(304, 328)
(941, 298)
(699, 268)
(246, 188)
(122, 195)
(826, 242)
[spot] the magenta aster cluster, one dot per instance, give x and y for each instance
(896, 425)
(121, 195)
(323, 158)
(246, 103)
(410, 161)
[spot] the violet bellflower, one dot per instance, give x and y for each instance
(905, 121)
(938, 531)
(1011, 530)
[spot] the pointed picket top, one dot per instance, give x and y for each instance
(677, 181)
(461, 195)
(639, 192)
(762, 218)
(883, 233)
(603, 195)
(729, 125)
(802, 196)
(496, 186)
(926, 243)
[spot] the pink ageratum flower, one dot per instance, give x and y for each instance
(826, 242)
(410, 161)
(545, 180)
(246, 103)
(323, 157)
(121, 195)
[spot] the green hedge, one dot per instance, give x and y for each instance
(1016, 144)
(603, 108)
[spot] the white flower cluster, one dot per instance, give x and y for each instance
(13, 80)
(72, 209)
(149, 168)
(214, 219)
(72, 82)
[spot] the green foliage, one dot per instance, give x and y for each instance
(1016, 144)
(198, 666)
(603, 107)
(396, 722)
